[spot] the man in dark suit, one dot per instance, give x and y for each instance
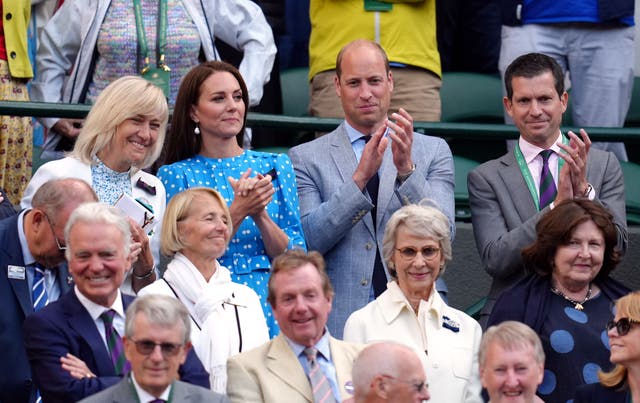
(156, 343)
(32, 238)
(6, 208)
(505, 194)
(353, 179)
(73, 344)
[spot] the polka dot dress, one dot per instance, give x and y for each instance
(246, 257)
(576, 346)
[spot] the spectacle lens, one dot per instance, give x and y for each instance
(623, 325)
(146, 347)
(410, 253)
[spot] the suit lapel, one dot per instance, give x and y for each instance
(345, 162)
(81, 322)
(14, 257)
(517, 187)
(387, 174)
(343, 367)
(285, 365)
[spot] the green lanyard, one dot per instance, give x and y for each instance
(161, 35)
(522, 164)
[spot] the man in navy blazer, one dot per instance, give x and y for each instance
(333, 171)
(30, 237)
(66, 341)
(6, 208)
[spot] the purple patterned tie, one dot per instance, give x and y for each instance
(114, 342)
(548, 189)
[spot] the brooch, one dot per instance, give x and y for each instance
(450, 324)
(146, 187)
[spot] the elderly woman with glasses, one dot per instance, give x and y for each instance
(622, 383)
(416, 247)
(568, 297)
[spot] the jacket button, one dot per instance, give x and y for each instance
(368, 246)
(13, 55)
(9, 16)
(28, 383)
(364, 281)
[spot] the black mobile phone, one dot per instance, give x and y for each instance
(272, 172)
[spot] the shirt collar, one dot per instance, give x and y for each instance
(530, 151)
(146, 397)
(26, 253)
(354, 135)
(397, 302)
(322, 345)
(95, 310)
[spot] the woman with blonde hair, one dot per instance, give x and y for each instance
(622, 384)
(123, 133)
(226, 317)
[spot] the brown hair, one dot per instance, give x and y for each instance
(291, 260)
(182, 143)
(532, 65)
(556, 228)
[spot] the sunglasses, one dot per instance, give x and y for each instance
(146, 347)
(417, 386)
(623, 325)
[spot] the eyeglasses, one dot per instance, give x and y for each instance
(623, 325)
(410, 253)
(146, 347)
(418, 387)
(61, 247)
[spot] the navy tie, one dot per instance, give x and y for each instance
(38, 290)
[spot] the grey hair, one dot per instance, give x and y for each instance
(384, 358)
(54, 195)
(99, 213)
(510, 335)
(160, 310)
(421, 220)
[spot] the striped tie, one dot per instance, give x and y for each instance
(114, 342)
(548, 189)
(38, 292)
(319, 383)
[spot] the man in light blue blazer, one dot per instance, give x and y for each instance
(504, 193)
(335, 172)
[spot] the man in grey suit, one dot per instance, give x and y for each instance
(510, 194)
(156, 343)
(351, 180)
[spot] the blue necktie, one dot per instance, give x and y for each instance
(38, 291)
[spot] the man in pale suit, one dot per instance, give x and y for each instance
(505, 193)
(282, 370)
(338, 176)
(156, 343)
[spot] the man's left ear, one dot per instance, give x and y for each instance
(390, 77)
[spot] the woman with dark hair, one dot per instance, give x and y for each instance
(204, 149)
(622, 384)
(568, 297)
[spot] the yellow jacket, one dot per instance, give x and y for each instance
(15, 17)
(407, 32)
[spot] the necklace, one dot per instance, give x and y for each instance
(577, 305)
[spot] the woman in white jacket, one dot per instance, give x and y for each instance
(416, 247)
(226, 317)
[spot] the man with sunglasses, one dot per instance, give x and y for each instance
(389, 372)
(156, 343)
(74, 345)
(32, 274)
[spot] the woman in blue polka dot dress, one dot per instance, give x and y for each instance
(203, 149)
(569, 298)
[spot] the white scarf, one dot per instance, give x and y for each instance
(219, 336)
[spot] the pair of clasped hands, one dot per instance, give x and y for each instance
(401, 134)
(572, 181)
(251, 194)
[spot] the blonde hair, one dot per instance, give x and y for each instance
(178, 209)
(626, 307)
(510, 335)
(123, 99)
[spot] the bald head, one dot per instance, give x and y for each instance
(44, 224)
(357, 44)
(388, 372)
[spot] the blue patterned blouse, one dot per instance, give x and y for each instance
(246, 256)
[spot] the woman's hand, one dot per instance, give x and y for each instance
(141, 257)
(76, 367)
(251, 196)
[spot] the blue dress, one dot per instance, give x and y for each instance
(246, 256)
